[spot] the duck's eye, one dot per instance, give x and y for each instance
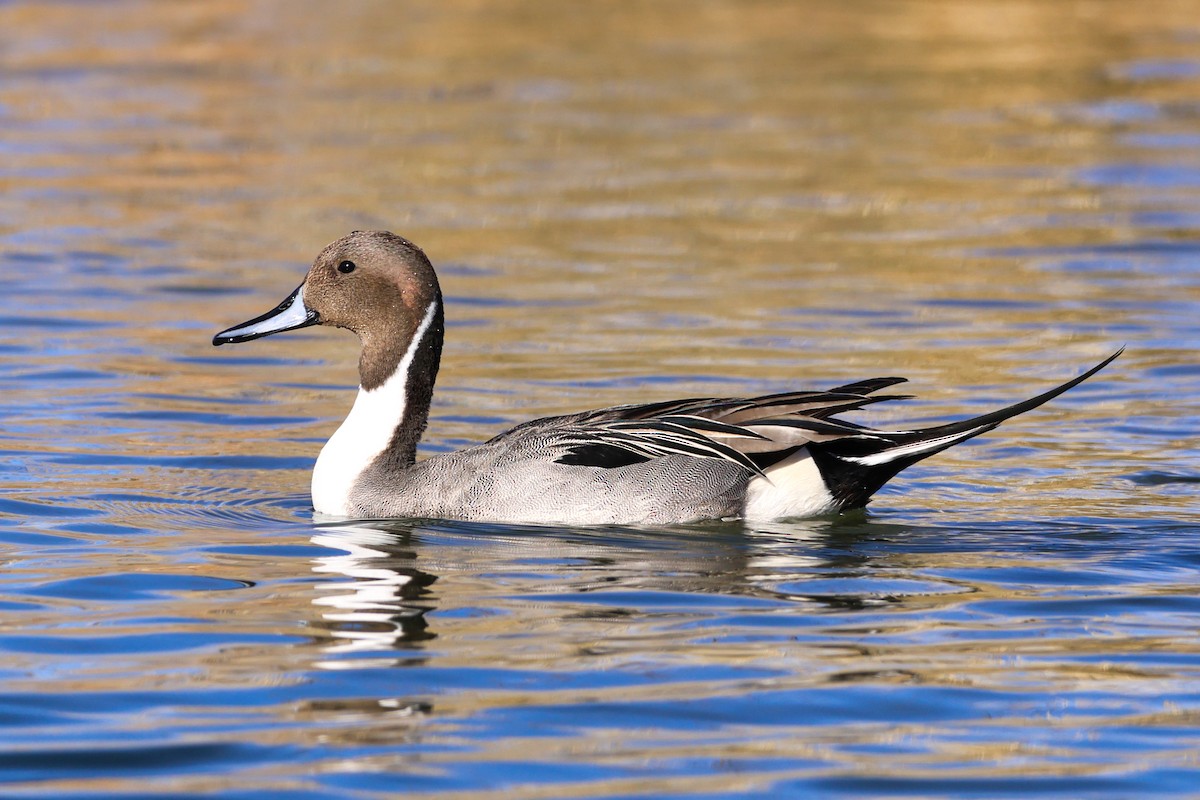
(346, 266)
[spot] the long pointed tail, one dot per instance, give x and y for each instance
(856, 468)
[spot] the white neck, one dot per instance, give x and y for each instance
(365, 433)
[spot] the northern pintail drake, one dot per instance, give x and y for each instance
(772, 457)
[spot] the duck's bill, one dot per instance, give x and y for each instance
(287, 316)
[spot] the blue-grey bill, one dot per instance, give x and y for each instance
(287, 316)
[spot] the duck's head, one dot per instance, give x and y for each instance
(375, 283)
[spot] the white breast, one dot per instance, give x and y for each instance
(365, 433)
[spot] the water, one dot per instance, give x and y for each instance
(664, 200)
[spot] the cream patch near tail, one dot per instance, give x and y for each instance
(794, 488)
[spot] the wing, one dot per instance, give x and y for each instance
(753, 432)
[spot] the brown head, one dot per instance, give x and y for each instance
(375, 283)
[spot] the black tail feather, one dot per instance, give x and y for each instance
(996, 417)
(855, 468)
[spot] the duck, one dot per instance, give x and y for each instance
(772, 457)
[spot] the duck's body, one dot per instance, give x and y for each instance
(773, 457)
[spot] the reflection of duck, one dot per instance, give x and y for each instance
(520, 597)
(847, 565)
(774, 457)
(374, 609)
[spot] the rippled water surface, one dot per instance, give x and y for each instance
(625, 203)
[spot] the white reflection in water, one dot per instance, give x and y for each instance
(779, 549)
(371, 610)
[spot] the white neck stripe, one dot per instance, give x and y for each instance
(406, 363)
(366, 432)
